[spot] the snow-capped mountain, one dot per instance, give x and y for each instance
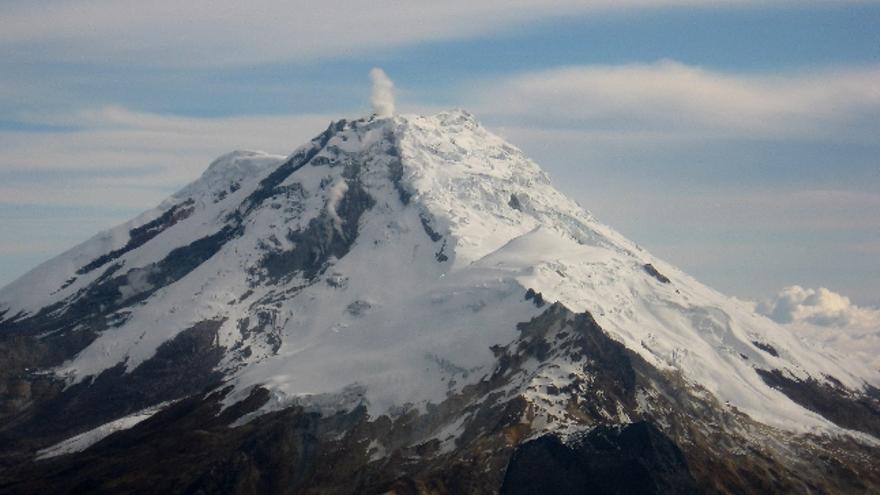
(407, 304)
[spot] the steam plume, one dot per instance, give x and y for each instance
(382, 97)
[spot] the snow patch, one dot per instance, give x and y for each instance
(85, 440)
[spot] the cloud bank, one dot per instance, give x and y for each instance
(382, 96)
(820, 307)
(830, 320)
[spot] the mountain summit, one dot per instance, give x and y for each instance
(406, 304)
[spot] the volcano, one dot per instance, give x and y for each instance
(406, 305)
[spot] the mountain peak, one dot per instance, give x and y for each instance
(453, 116)
(227, 172)
(239, 163)
(411, 268)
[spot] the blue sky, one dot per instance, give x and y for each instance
(738, 139)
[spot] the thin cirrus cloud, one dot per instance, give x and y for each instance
(668, 99)
(781, 212)
(647, 103)
(587, 120)
(767, 173)
(113, 157)
(225, 32)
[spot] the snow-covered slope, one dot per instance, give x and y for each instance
(59, 278)
(381, 263)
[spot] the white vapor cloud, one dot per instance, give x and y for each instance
(821, 307)
(830, 320)
(677, 100)
(229, 32)
(382, 96)
(334, 196)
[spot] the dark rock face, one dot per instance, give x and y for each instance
(636, 459)
(60, 331)
(435, 236)
(322, 239)
(181, 367)
(440, 255)
(194, 446)
(769, 349)
(73, 324)
(514, 202)
(432, 234)
(141, 235)
(37, 410)
(269, 186)
(838, 405)
(650, 270)
(535, 297)
(185, 259)
(395, 172)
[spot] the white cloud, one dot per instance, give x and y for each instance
(228, 32)
(673, 100)
(822, 307)
(334, 196)
(382, 96)
(829, 319)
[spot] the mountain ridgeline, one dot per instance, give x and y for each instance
(406, 305)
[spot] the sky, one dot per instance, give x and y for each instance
(739, 140)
